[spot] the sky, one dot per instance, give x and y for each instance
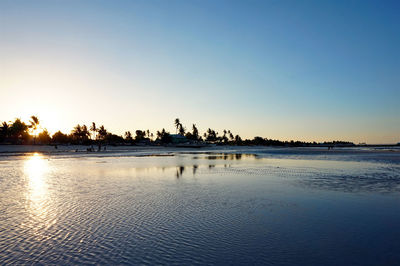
(302, 70)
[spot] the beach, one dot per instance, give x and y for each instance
(216, 205)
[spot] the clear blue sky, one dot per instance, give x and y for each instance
(307, 70)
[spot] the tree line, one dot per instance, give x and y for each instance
(19, 132)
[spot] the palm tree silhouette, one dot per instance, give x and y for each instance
(231, 135)
(34, 126)
(128, 136)
(77, 133)
(177, 124)
(181, 130)
(195, 132)
(19, 131)
(93, 128)
(85, 133)
(224, 138)
(102, 132)
(4, 131)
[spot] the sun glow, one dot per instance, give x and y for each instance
(51, 122)
(35, 132)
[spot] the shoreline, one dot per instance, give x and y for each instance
(10, 148)
(389, 154)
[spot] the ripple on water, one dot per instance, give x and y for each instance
(110, 212)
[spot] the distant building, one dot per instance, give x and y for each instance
(176, 139)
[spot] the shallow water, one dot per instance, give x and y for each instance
(200, 208)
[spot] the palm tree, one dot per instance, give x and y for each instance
(77, 130)
(238, 139)
(93, 128)
(19, 131)
(77, 133)
(181, 130)
(60, 138)
(4, 131)
(34, 122)
(128, 136)
(177, 124)
(34, 126)
(211, 135)
(44, 137)
(164, 136)
(85, 133)
(195, 132)
(102, 132)
(140, 135)
(231, 135)
(5, 126)
(224, 138)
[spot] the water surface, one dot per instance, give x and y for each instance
(190, 208)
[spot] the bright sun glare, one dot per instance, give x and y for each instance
(47, 120)
(35, 169)
(36, 132)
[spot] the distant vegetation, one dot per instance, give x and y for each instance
(19, 132)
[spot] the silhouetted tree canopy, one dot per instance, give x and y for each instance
(61, 138)
(44, 137)
(164, 136)
(18, 132)
(128, 136)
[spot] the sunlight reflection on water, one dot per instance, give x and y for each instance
(36, 169)
(195, 209)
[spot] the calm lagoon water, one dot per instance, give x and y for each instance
(200, 208)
